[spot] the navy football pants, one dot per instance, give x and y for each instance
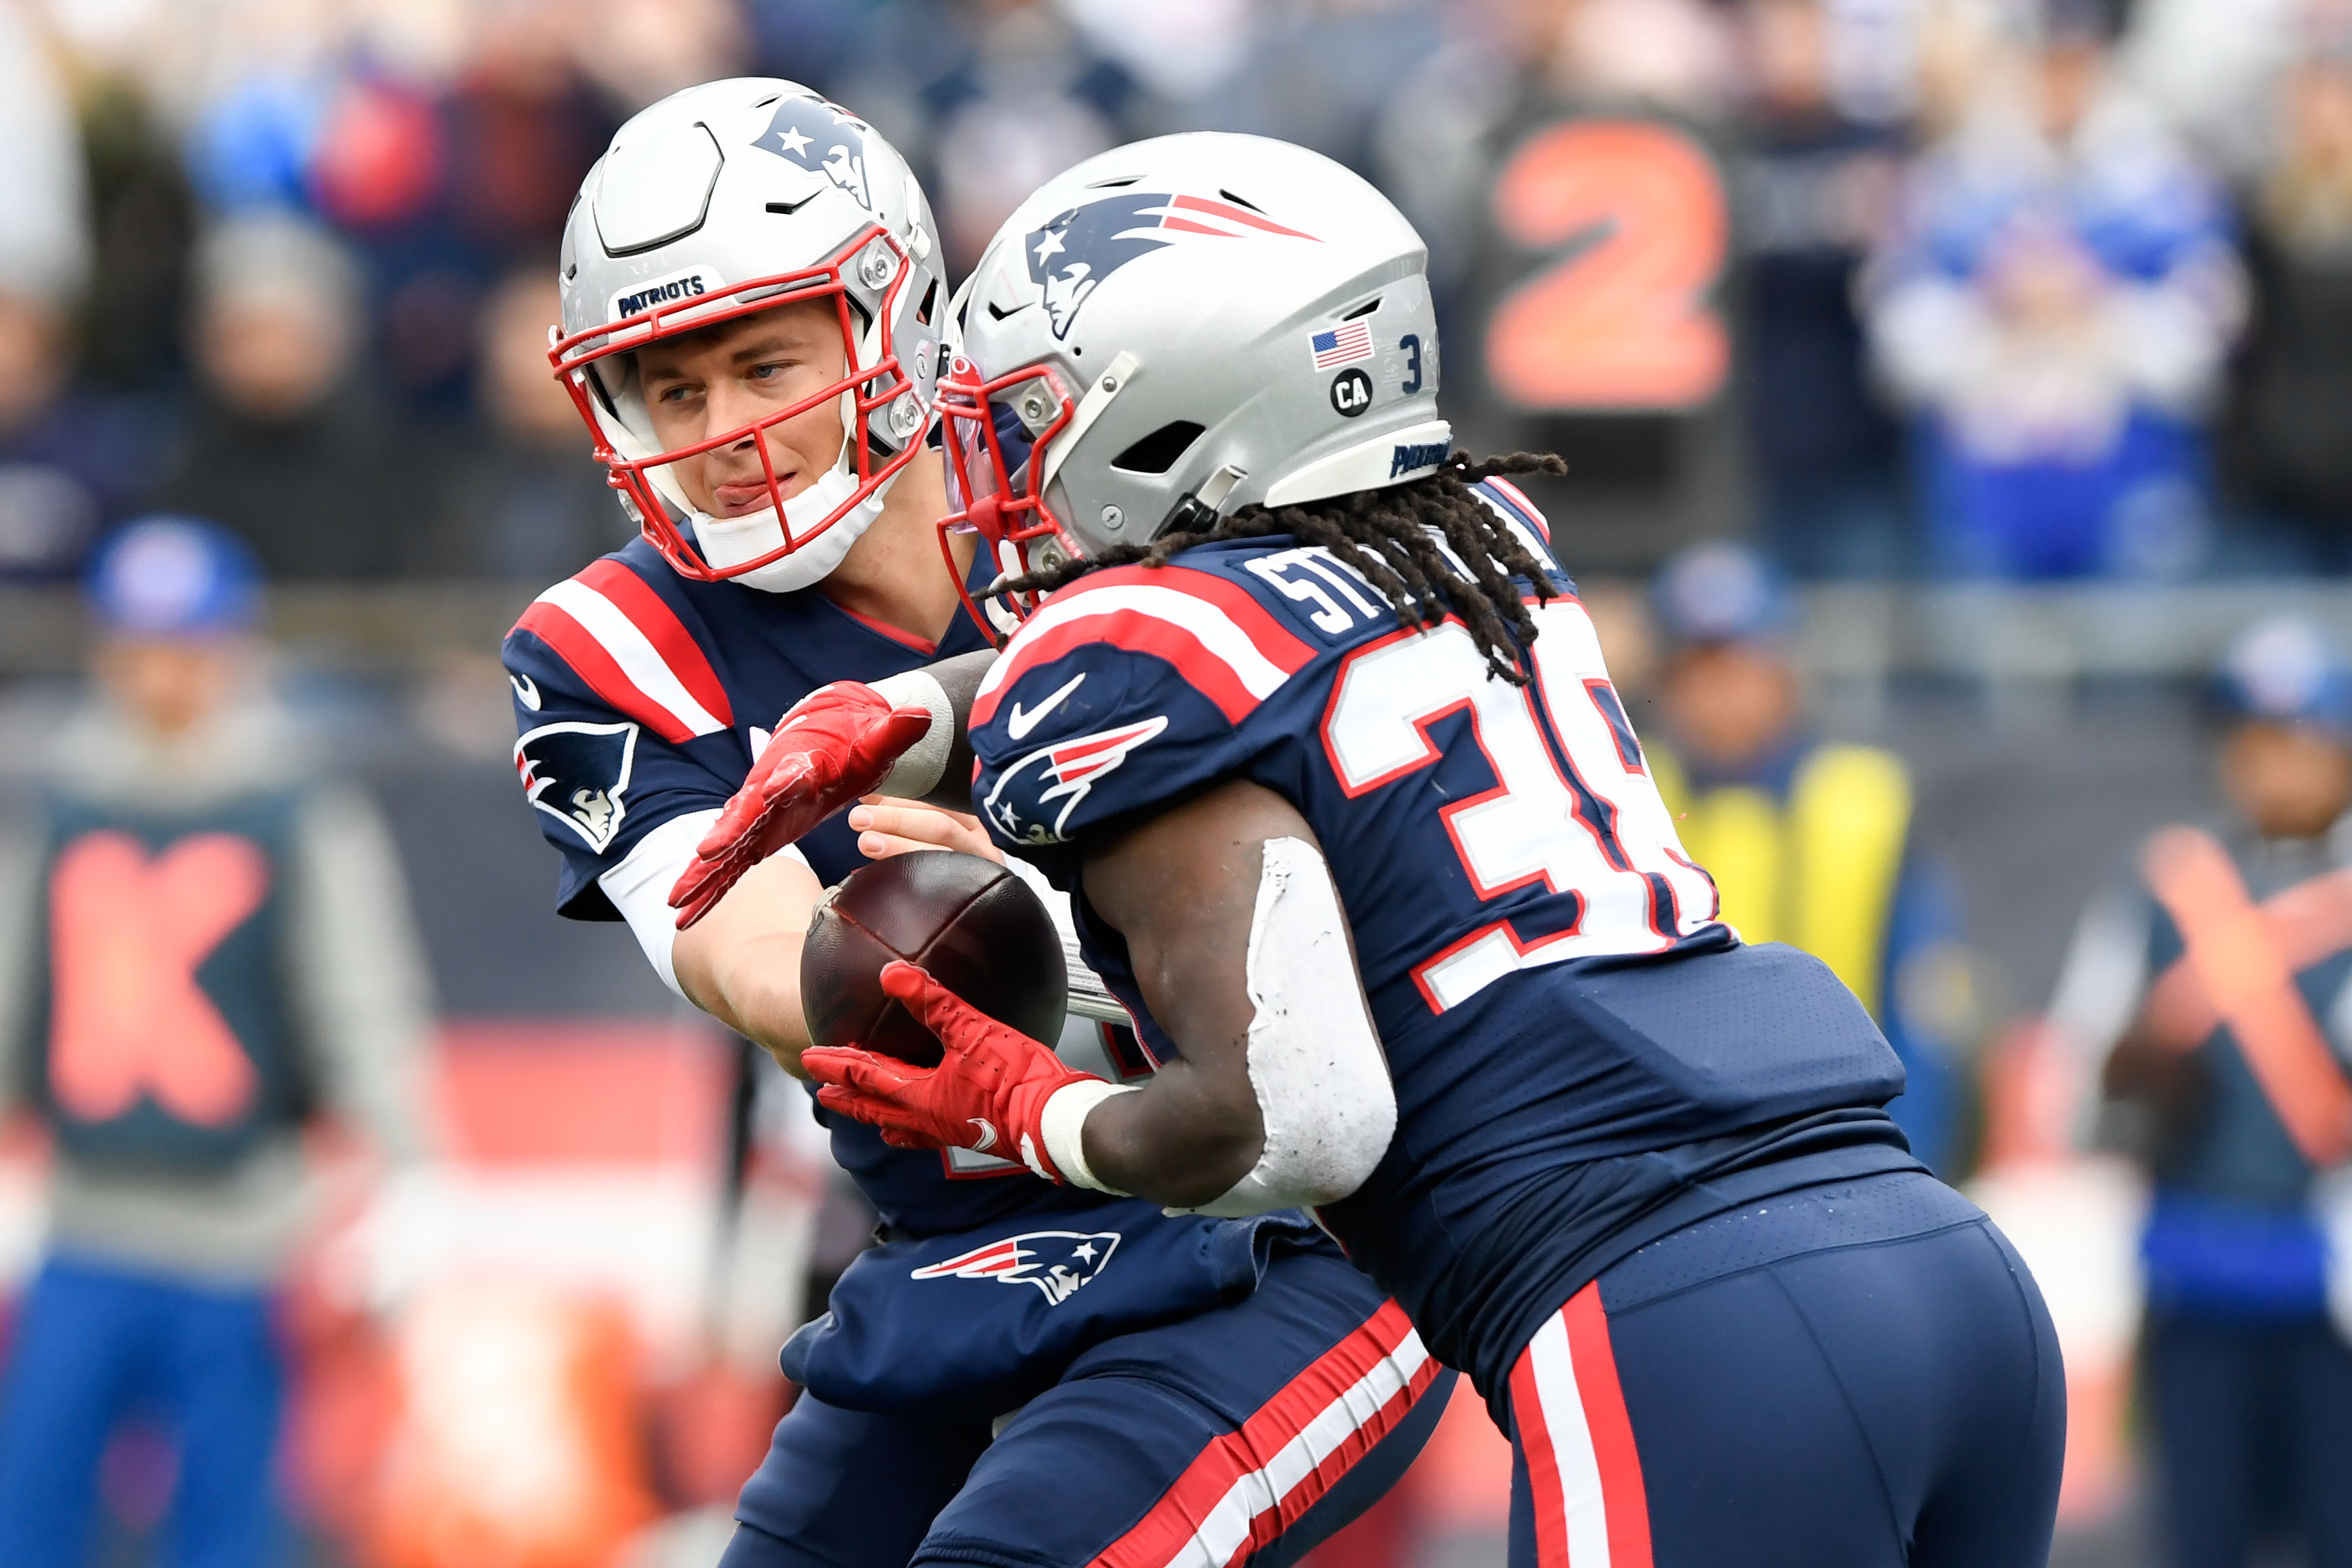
(1841, 1377)
(1260, 1427)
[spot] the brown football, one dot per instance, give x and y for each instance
(972, 923)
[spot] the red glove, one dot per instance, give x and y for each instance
(830, 747)
(986, 1095)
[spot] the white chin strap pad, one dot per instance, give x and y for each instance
(1315, 1061)
(733, 540)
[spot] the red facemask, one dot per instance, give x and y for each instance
(998, 434)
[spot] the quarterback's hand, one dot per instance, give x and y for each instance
(830, 747)
(987, 1094)
(886, 827)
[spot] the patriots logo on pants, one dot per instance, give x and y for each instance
(1055, 1261)
(1075, 252)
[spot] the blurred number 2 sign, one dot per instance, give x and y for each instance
(1634, 213)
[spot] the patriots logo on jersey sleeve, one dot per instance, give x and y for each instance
(1072, 254)
(579, 774)
(822, 139)
(1055, 1261)
(1025, 795)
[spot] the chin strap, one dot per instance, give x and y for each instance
(728, 542)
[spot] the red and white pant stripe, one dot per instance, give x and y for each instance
(1249, 1486)
(1589, 1506)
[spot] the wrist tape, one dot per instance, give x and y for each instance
(921, 766)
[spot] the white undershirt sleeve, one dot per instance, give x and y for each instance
(639, 885)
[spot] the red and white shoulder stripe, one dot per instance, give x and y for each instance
(631, 648)
(1249, 1486)
(1225, 643)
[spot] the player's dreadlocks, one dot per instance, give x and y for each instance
(1386, 535)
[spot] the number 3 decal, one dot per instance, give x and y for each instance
(1620, 322)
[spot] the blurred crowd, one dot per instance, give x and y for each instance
(2019, 289)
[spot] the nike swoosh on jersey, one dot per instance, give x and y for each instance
(526, 690)
(1020, 721)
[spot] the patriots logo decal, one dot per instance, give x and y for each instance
(1055, 1261)
(1072, 254)
(1062, 772)
(823, 139)
(579, 774)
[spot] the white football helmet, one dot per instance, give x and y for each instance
(717, 202)
(1175, 330)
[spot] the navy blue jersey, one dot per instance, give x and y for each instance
(1557, 1002)
(642, 696)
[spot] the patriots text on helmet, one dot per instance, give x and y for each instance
(1413, 457)
(658, 294)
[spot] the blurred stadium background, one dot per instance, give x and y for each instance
(2018, 336)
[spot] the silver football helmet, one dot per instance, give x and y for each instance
(1177, 329)
(717, 202)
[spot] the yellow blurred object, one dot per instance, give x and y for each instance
(519, 1442)
(1820, 874)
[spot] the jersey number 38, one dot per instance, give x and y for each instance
(1573, 811)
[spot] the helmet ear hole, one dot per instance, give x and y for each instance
(1157, 453)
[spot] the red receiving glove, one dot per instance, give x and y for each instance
(986, 1095)
(830, 747)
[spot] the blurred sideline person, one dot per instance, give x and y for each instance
(1814, 182)
(719, 349)
(2214, 984)
(204, 944)
(2057, 308)
(2290, 425)
(1810, 842)
(73, 458)
(284, 436)
(519, 500)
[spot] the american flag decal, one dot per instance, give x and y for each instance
(1344, 344)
